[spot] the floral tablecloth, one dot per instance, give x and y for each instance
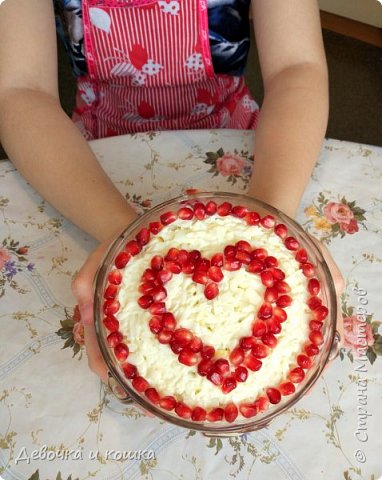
(58, 422)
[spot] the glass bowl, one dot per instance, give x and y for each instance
(122, 387)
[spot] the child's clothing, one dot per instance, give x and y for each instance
(155, 64)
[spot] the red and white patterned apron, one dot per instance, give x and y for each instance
(150, 68)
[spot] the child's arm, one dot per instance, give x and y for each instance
(294, 114)
(39, 138)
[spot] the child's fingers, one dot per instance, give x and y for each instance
(95, 361)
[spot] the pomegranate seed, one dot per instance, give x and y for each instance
(230, 252)
(215, 415)
(199, 211)
(121, 260)
(175, 347)
(280, 314)
(320, 313)
(241, 374)
(215, 377)
(200, 276)
(314, 302)
(243, 245)
(248, 342)
(121, 352)
(143, 236)
(129, 370)
(259, 328)
(145, 301)
(273, 394)
(256, 266)
(267, 278)
(296, 375)
(140, 384)
(236, 356)
(155, 324)
(191, 191)
(262, 404)
(248, 410)
(195, 345)
(314, 286)
(215, 274)
(164, 276)
(271, 294)
(110, 307)
(259, 254)
(185, 213)
(271, 261)
(274, 325)
(239, 211)
(269, 339)
(198, 414)
(149, 275)
(164, 336)
(173, 267)
(182, 336)
(211, 291)
(221, 366)
(133, 247)
(268, 221)
(252, 218)
(231, 412)
(168, 403)
(232, 265)
(115, 276)
(195, 255)
(304, 361)
(252, 363)
(204, 367)
(282, 287)
(157, 263)
(152, 395)
(307, 269)
(187, 357)
(155, 227)
(217, 260)
(316, 337)
(284, 301)
(157, 308)
(211, 207)
(311, 350)
(265, 311)
(229, 384)
(183, 410)
(281, 230)
(287, 388)
(111, 292)
(167, 218)
(111, 323)
(260, 350)
(172, 255)
(301, 256)
(277, 273)
(202, 264)
(147, 287)
(188, 268)
(291, 243)
(224, 209)
(159, 293)
(244, 257)
(208, 352)
(315, 325)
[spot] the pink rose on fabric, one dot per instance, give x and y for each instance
(230, 164)
(358, 335)
(76, 314)
(338, 213)
(4, 257)
(78, 333)
(351, 227)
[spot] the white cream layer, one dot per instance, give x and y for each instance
(219, 322)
